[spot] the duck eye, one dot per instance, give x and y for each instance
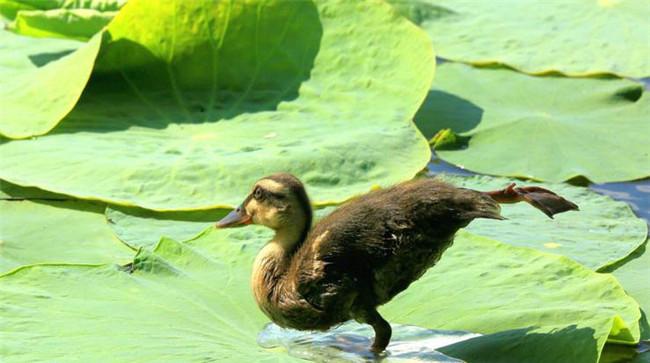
(257, 194)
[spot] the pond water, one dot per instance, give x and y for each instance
(349, 342)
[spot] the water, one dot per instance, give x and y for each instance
(350, 342)
(634, 193)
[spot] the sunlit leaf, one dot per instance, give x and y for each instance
(633, 274)
(56, 232)
(58, 18)
(40, 81)
(144, 228)
(101, 5)
(79, 24)
(194, 101)
(180, 303)
(548, 128)
(573, 37)
(529, 302)
(196, 295)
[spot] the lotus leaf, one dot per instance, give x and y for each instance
(40, 81)
(574, 37)
(102, 5)
(604, 231)
(178, 304)
(175, 126)
(144, 228)
(10, 8)
(196, 295)
(79, 24)
(56, 232)
(526, 300)
(633, 274)
(545, 128)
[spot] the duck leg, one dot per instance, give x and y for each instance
(382, 329)
(543, 199)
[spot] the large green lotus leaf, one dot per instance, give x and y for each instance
(575, 37)
(59, 18)
(179, 304)
(602, 232)
(526, 300)
(325, 91)
(196, 295)
(546, 128)
(56, 232)
(144, 228)
(40, 81)
(101, 5)
(80, 24)
(633, 274)
(10, 8)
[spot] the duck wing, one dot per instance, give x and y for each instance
(374, 246)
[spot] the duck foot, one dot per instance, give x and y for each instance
(543, 199)
(382, 329)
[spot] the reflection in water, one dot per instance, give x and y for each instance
(634, 193)
(438, 166)
(350, 342)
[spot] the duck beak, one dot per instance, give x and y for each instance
(237, 217)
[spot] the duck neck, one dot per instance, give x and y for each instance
(292, 237)
(274, 260)
(277, 254)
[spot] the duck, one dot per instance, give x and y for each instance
(366, 251)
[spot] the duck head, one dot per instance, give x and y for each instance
(278, 201)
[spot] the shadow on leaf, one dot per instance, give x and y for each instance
(442, 110)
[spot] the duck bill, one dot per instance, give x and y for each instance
(238, 217)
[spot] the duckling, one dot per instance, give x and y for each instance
(366, 251)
